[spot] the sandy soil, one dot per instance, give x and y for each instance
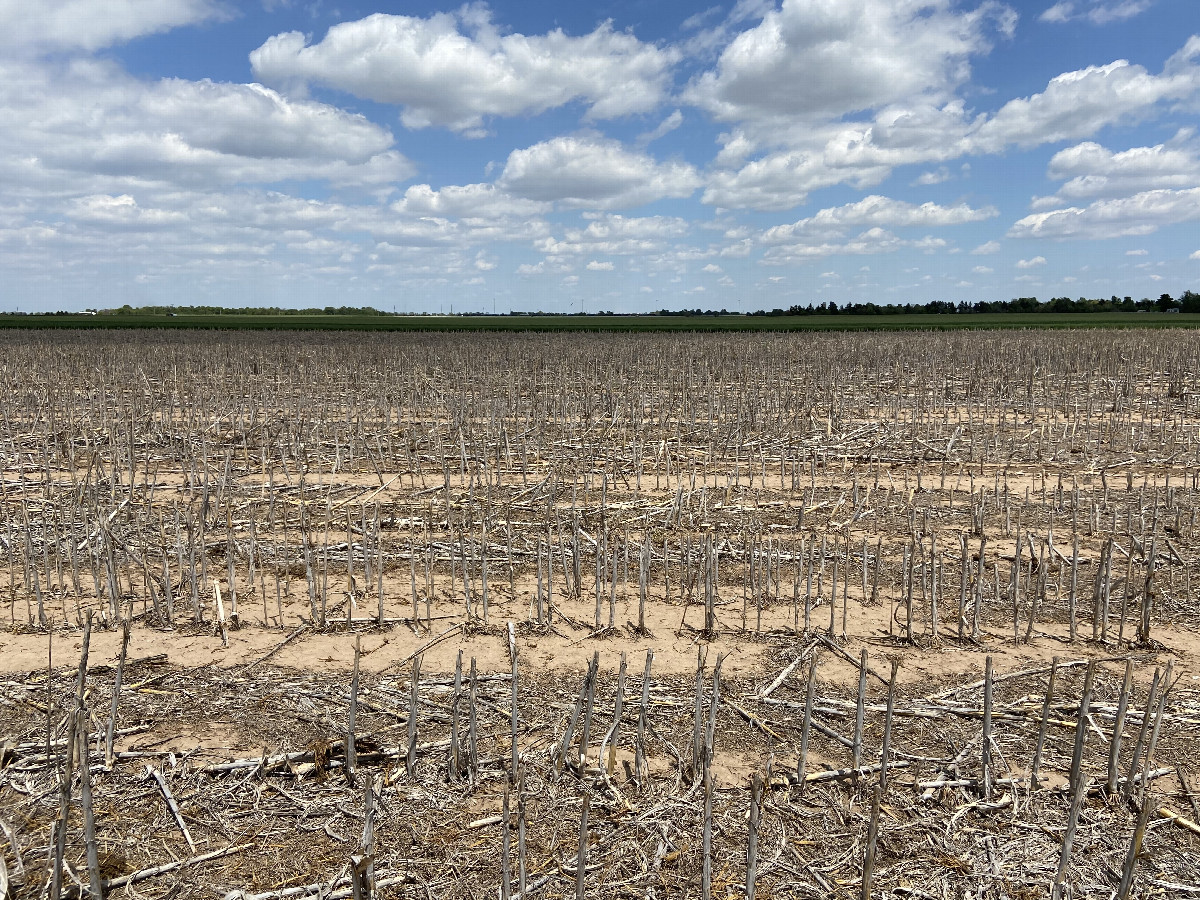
(129, 483)
(568, 645)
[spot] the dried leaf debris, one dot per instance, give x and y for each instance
(921, 609)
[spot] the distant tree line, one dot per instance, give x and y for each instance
(1188, 302)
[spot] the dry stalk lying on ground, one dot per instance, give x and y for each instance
(288, 820)
(1008, 520)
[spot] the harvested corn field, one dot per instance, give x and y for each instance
(438, 615)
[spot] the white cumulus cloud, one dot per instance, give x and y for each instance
(783, 180)
(803, 155)
(1079, 103)
(1031, 263)
(175, 131)
(456, 70)
(469, 201)
(1140, 214)
(1090, 170)
(33, 26)
(875, 210)
(825, 58)
(615, 235)
(595, 173)
(872, 241)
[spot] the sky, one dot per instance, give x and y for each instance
(628, 155)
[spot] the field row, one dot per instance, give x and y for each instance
(369, 588)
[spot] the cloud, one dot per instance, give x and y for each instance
(1194, 255)
(121, 212)
(696, 20)
(90, 25)
(822, 59)
(665, 127)
(1091, 170)
(1079, 103)
(879, 211)
(249, 120)
(470, 201)
(783, 180)
(809, 154)
(595, 173)
(105, 172)
(551, 266)
(1059, 12)
(169, 233)
(409, 232)
(1138, 215)
(456, 70)
(928, 178)
(871, 241)
(1138, 252)
(1031, 263)
(615, 235)
(1098, 12)
(321, 246)
(177, 132)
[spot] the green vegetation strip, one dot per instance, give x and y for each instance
(912, 322)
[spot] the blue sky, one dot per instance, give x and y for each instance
(625, 156)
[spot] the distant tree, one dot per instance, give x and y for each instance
(1189, 302)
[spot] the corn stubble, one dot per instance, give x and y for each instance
(929, 493)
